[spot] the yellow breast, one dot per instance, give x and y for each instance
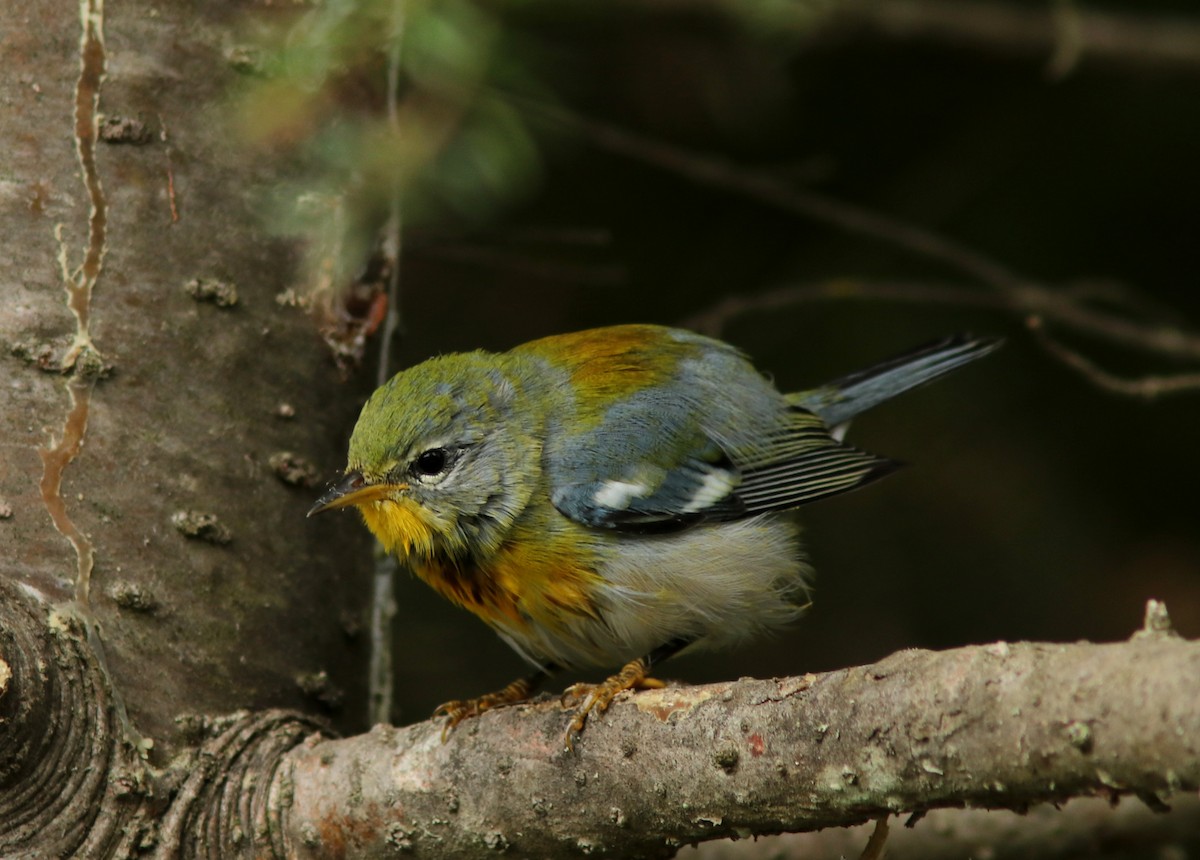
(525, 583)
(536, 578)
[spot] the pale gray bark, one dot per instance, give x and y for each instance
(998, 726)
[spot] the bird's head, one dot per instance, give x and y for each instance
(439, 462)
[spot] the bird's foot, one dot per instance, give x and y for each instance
(460, 709)
(597, 697)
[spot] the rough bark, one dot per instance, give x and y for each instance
(998, 726)
(69, 782)
(136, 404)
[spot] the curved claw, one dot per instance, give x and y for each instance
(597, 697)
(457, 710)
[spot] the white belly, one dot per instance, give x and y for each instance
(715, 584)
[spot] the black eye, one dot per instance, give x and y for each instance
(431, 462)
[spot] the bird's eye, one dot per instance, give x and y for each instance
(431, 463)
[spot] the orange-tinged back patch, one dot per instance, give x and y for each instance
(615, 361)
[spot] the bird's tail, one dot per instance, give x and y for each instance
(842, 399)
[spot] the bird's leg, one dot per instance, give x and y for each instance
(518, 691)
(634, 675)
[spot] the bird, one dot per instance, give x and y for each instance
(614, 496)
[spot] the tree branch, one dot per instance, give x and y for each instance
(1145, 387)
(998, 726)
(1087, 827)
(1006, 288)
(1170, 42)
(1001, 726)
(1137, 40)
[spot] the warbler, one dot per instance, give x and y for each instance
(612, 496)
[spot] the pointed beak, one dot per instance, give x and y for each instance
(352, 489)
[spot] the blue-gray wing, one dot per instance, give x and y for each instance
(718, 442)
(645, 482)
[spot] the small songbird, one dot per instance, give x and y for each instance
(612, 496)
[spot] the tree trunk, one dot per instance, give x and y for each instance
(145, 507)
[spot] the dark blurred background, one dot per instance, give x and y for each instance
(1036, 505)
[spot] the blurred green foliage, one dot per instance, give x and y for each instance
(379, 99)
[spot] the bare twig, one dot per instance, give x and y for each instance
(877, 842)
(1063, 308)
(1146, 387)
(713, 319)
(1085, 33)
(1012, 291)
(1118, 37)
(1086, 827)
(380, 677)
(766, 188)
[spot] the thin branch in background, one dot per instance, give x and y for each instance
(393, 231)
(1019, 293)
(380, 684)
(878, 841)
(1064, 308)
(1084, 827)
(1080, 35)
(1011, 291)
(713, 320)
(1146, 387)
(1104, 292)
(1068, 39)
(766, 188)
(1149, 41)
